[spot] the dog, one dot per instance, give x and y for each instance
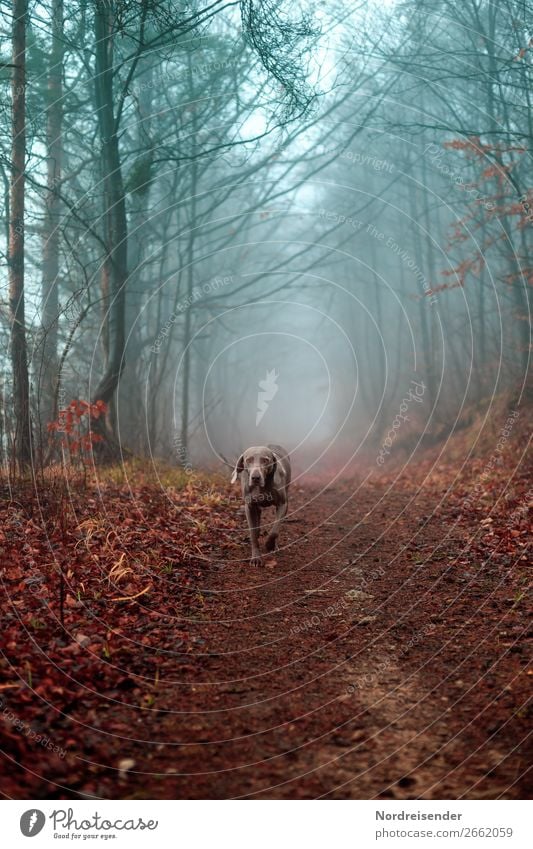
(265, 473)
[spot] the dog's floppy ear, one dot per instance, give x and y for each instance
(274, 464)
(239, 467)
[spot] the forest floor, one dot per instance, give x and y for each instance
(382, 653)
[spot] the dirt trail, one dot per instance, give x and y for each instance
(359, 664)
(371, 659)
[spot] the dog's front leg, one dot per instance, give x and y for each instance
(272, 538)
(253, 514)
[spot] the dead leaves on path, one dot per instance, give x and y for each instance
(132, 563)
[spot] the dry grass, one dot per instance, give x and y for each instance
(137, 472)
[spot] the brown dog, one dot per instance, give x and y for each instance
(265, 473)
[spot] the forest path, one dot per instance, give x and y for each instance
(380, 654)
(364, 662)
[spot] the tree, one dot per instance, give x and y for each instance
(51, 232)
(115, 263)
(19, 354)
(274, 38)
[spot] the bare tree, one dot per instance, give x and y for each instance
(19, 354)
(51, 231)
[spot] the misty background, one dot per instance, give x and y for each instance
(264, 222)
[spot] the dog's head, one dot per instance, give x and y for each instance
(258, 463)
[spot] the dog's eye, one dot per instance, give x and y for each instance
(265, 460)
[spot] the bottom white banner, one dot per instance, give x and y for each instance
(264, 824)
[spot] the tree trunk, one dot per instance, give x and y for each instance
(522, 316)
(428, 310)
(379, 380)
(50, 238)
(19, 354)
(425, 367)
(115, 222)
(185, 396)
(132, 413)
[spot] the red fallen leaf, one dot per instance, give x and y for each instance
(72, 602)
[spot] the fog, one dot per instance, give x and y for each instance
(305, 219)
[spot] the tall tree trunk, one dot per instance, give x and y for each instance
(481, 343)
(380, 378)
(115, 222)
(430, 273)
(19, 354)
(130, 403)
(426, 367)
(49, 289)
(523, 306)
(185, 387)
(185, 396)
(520, 294)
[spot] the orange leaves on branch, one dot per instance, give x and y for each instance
(493, 172)
(476, 148)
(74, 425)
(444, 286)
(495, 198)
(472, 144)
(523, 51)
(471, 265)
(498, 169)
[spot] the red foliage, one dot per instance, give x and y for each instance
(495, 196)
(74, 424)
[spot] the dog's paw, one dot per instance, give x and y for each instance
(271, 543)
(255, 560)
